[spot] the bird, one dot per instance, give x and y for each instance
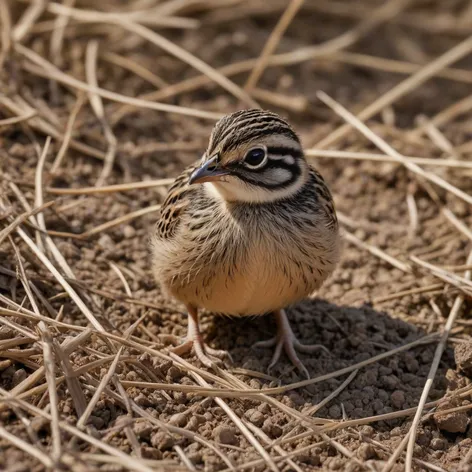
(249, 229)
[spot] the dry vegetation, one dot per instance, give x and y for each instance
(102, 103)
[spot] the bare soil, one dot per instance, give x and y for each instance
(151, 409)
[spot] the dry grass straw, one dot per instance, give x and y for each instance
(411, 83)
(354, 121)
(432, 374)
(271, 44)
(49, 353)
(97, 107)
(160, 41)
(47, 69)
(367, 156)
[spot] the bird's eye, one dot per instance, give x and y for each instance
(255, 157)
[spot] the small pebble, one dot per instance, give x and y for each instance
(463, 357)
(368, 431)
(96, 421)
(438, 444)
(18, 377)
(397, 398)
(366, 451)
(272, 430)
(456, 422)
(162, 441)
(151, 453)
(179, 419)
(143, 430)
(255, 417)
(129, 232)
(142, 400)
(225, 435)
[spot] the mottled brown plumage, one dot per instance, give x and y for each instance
(257, 234)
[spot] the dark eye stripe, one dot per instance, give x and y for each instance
(284, 151)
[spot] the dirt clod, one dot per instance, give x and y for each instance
(143, 430)
(438, 444)
(463, 357)
(225, 435)
(162, 441)
(398, 398)
(455, 422)
(366, 452)
(255, 417)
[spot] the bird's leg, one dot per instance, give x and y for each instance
(286, 339)
(207, 355)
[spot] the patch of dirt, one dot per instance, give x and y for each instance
(152, 409)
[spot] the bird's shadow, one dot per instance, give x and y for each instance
(351, 335)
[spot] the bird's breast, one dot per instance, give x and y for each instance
(251, 267)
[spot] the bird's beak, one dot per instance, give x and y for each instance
(208, 172)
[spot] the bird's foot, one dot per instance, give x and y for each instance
(287, 340)
(208, 356)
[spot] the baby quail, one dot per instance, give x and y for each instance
(249, 230)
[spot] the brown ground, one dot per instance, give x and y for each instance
(360, 313)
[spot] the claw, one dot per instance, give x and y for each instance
(208, 356)
(287, 340)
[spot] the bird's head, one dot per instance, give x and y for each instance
(253, 156)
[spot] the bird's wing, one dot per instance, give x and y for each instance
(175, 204)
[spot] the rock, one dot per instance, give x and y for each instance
(255, 417)
(463, 357)
(225, 435)
(142, 400)
(366, 451)
(18, 377)
(128, 231)
(438, 444)
(179, 419)
(143, 430)
(335, 412)
(272, 430)
(151, 453)
(456, 422)
(96, 421)
(162, 441)
(397, 398)
(368, 431)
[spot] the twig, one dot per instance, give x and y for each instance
(28, 448)
(68, 132)
(41, 256)
(350, 118)
(97, 106)
(159, 41)
(430, 70)
(376, 251)
(5, 31)
(31, 14)
(432, 372)
(367, 156)
(18, 119)
(108, 224)
(272, 43)
(110, 188)
(50, 71)
(50, 370)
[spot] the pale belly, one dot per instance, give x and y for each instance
(258, 286)
(247, 269)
